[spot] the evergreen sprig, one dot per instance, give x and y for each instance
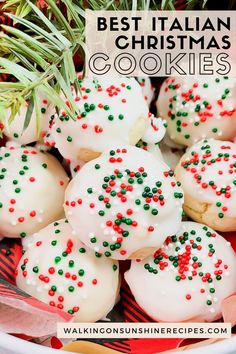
(40, 57)
(38, 50)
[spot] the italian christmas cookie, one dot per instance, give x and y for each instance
(32, 187)
(187, 278)
(147, 89)
(207, 172)
(111, 111)
(59, 270)
(15, 130)
(198, 108)
(124, 203)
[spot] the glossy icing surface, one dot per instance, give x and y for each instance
(59, 270)
(207, 172)
(32, 187)
(199, 108)
(187, 278)
(124, 201)
(111, 112)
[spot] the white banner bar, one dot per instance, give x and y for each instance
(143, 330)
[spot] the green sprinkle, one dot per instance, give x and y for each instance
(57, 259)
(71, 263)
(35, 269)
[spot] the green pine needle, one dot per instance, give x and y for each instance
(29, 112)
(39, 51)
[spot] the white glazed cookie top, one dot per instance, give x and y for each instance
(15, 131)
(124, 201)
(198, 108)
(60, 271)
(32, 187)
(111, 111)
(187, 278)
(207, 172)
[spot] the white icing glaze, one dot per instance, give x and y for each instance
(199, 108)
(155, 132)
(149, 215)
(169, 300)
(214, 162)
(59, 270)
(112, 111)
(32, 187)
(15, 131)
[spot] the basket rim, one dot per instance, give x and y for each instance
(9, 342)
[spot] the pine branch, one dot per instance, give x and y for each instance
(41, 58)
(39, 50)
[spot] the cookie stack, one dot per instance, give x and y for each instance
(121, 200)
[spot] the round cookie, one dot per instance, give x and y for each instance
(111, 111)
(124, 203)
(207, 172)
(147, 89)
(59, 270)
(198, 108)
(187, 278)
(15, 131)
(32, 187)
